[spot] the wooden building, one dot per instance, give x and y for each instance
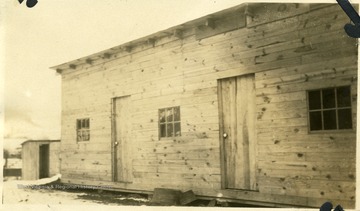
(40, 159)
(256, 104)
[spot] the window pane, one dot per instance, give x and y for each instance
(343, 97)
(79, 135)
(86, 123)
(83, 123)
(329, 120)
(169, 115)
(84, 135)
(314, 100)
(328, 98)
(315, 120)
(162, 130)
(78, 124)
(345, 120)
(162, 115)
(88, 135)
(177, 114)
(177, 129)
(170, 130)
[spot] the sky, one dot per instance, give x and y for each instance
(55, 32)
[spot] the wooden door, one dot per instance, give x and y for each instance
(43, 161)
(237, 129)
(122, 140)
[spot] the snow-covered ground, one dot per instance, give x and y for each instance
(15, 192)
(18, 194)
(16, 197)
(48, 194)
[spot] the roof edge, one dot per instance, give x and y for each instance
(28, 141)
(124, 47)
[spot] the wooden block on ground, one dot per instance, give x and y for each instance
(165, 197)
(187, 197)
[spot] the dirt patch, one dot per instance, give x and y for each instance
(107, 197)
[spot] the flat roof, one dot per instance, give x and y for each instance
(27, 141)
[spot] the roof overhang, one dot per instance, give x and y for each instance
(207, 21)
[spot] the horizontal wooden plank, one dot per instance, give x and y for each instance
(276, 98)
(324, 56)
(275, 123)
(346, 204)
(308, 166)
(321, 194)
(282, 106)
(305, 68)
(307, 81)
(331, 175)
(308, 147)
(190, 155)
(348, 157)
(188, 169)
(336, 138)
(282, 114)
(180, 176)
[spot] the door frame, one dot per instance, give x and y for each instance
(113, 138)
(221, 138)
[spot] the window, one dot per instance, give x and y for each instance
(330, 109)
(83, 129)
(169, 122)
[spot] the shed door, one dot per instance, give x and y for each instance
(121, 140)
(43, 161)
(237, 113)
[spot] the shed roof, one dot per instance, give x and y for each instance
(28, 141)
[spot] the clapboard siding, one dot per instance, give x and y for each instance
(303, 47)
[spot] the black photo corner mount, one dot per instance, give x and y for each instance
(350, 29)
(327, 206)
(29, 3)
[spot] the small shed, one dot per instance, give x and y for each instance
(255, 104)
(40, 159)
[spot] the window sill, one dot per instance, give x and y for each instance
(332, 131)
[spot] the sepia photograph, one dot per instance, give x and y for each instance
(189, 104)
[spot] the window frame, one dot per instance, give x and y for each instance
(84, 130)
(173, 122)
(336, 109)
